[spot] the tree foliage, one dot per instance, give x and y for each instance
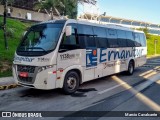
(146, 31)
(64, 7)
(9, 2)
(70, 8)
(48, 4)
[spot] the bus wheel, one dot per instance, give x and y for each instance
(71, 82)
(130, 68)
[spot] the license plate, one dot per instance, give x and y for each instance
(23, 74)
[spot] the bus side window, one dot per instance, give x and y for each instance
(142, 39)
(137, 40)
(112, 38)
(86, 36)
(122, 38)
(70, 42)
(100, 37)
(130, 39)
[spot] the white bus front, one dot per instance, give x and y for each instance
(35, 58)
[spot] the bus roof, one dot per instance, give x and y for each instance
(93, 23)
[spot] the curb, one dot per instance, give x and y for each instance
(5, 87)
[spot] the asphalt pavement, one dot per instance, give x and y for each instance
(95, 100)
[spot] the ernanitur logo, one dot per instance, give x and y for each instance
(91, 57)
(92, 60)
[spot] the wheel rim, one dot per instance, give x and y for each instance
(71, 83)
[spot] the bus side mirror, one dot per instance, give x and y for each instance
(68, 30)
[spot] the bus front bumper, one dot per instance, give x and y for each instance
(44, 79)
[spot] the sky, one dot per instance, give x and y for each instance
(142, 10)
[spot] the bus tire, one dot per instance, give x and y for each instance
(130, 70)
(71, 82)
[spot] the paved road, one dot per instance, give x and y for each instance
(139, 92)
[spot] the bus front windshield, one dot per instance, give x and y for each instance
(41, 38)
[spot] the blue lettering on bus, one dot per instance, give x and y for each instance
(116, 54)
(102, 55)
(134, 52)
(91, 57)
(123, 54)
(128, 53)
(139, 52)
(25, 59)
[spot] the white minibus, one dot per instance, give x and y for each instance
(66, 53)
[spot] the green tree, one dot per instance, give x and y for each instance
(9, 2)
(61, 7)
(49, 6)
(70, 8)
(146, 31)
(5, 3)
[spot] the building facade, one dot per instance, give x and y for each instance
(24, 9)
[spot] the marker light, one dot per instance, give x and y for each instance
(40, 69)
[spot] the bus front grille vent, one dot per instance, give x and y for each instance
(22, 68)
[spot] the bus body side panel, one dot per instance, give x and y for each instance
(140, 56)
(100, 65)
(105, 62)
(114, 60)
(67, 61)
(90, 63)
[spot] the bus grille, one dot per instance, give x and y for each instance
(22, 68)
(31, 70)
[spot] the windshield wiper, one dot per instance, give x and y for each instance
(32, 48)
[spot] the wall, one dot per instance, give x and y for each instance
(22, 13)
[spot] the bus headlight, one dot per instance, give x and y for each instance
(40, 69)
